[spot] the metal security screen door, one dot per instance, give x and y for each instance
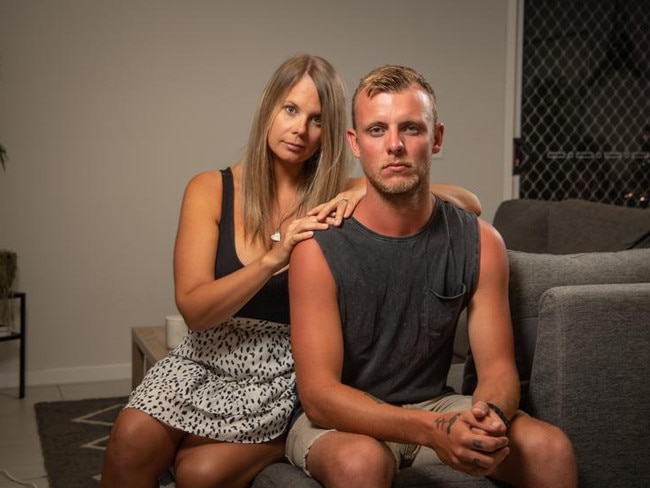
(585, 107)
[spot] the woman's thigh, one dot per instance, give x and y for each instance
(202, 462)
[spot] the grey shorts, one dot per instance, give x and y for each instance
(303, 434)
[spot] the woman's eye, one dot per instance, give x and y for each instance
(316, 120)
(290, 109)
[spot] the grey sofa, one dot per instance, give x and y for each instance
(580, 305)
(582, 331)
(582, 346)
(571, 226)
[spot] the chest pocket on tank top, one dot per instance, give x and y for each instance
(440, 312)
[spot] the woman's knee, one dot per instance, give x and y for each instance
(138, 439)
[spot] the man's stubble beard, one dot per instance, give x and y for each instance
(394, 190)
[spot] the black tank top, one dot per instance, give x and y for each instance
(272, 301)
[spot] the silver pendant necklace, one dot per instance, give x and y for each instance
(276, 236)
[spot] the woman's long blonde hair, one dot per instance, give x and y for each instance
(324, 175)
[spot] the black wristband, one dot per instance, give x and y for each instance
(500, 413)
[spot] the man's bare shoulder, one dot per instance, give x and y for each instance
(494, 257)
(489, 233)
(306, 249)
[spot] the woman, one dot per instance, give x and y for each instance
(217, 407)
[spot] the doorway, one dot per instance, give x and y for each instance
(585, 101)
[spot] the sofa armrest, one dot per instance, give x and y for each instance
(531, 275)
(590, 377)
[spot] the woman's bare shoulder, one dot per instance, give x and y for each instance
(205, 183)
(211, 177)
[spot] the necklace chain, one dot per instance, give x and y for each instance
(276, 236)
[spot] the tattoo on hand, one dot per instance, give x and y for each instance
(447, 423)
(477, 444)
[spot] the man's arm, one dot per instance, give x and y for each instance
(490, 329)
(317, 346)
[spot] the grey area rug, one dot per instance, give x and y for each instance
(73, 438)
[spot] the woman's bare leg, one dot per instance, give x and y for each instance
(139, 449)
(204, 463)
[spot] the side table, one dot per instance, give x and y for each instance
(19, 335)
(147, 346)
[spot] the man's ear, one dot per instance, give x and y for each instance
(438, 132)
(351, 135)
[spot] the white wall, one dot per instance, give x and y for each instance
(107, 108)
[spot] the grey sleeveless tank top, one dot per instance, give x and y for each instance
(400, 299)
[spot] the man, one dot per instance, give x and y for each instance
(374, 307)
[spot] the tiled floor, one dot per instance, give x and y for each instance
(20, 450)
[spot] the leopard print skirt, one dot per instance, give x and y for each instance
(231, 383)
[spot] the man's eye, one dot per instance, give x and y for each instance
(375, 131)
(412, 129)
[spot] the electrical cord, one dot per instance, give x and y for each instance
(16, 480)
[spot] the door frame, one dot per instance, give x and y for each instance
(513, 83)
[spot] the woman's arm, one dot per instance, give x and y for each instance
(203, 300)
(458, 196)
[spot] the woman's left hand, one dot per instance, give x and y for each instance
(338, 208)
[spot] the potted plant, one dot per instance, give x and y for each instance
(8, 267)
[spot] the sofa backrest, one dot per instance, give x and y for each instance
(531, 274)
(571, 226)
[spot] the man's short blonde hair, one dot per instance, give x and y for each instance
(392, 79)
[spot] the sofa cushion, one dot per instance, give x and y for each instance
(641, 242)
(581, 226)
(532, 274)
(523, 224)
(283, 475)
(571, 226)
